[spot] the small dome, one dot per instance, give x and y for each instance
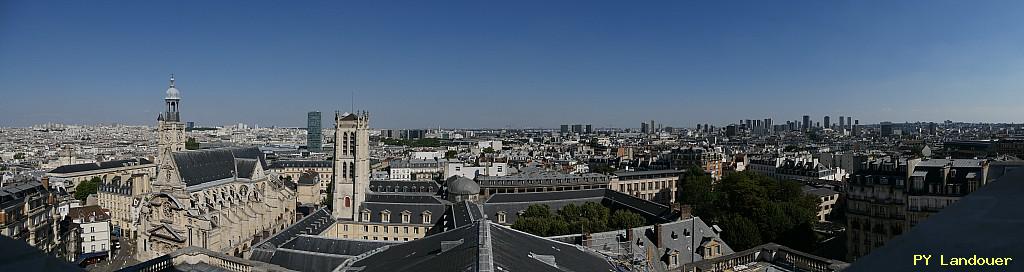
(172, 93)
(460, 185)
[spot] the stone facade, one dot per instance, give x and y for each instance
(351, 163)
(221, 199)
(659, 186)
(121, 195)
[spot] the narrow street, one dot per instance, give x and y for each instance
(122, 257)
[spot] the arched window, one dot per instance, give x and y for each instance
(348, 202)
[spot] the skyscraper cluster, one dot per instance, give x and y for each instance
(576, 128)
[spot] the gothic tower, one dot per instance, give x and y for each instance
(170, 133)
(351, 163)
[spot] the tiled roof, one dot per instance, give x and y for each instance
(83, 167)
(201, 166)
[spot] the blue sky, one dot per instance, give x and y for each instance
(512, 63)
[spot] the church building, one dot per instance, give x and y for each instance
(221, 199)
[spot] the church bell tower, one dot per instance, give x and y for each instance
(170, 132)
(351, 163)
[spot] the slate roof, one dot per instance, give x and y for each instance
(514, 251)
(305, 261)
(201, 166)
(681, 236)
(335, 246)
(460, 214)
(314, 223)
(481, 246)
(513, 203)
(534, 178)
(308, 178)
(402, 198)
(396, 210)
(403, 186)
(958, 163)
(629, 175)
(245, 167)
(14, 193)
(318, 253)
(302, 164)
(82, 167)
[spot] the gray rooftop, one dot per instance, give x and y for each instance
(83, 167)
(201, 166)
(481, 246)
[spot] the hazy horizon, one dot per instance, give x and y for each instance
(521, 64)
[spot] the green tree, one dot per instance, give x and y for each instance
(625, 219)
(191, 144)
(740, 232)
(753, 209)
(590, 217)
(698, 191)
(19, 155)
(537, 210)
(604, 169)
(535, 225)
(450, 154)
(86, 188)
(790, 148)
(329, 200)
(489, 150)
(558, 226)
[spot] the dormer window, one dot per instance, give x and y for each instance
(365, 216)
(501, 217)
(405, 217)
(426, 217)
(385, 216)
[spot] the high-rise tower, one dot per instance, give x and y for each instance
(351, 163)
(314, 138)
(807, 123)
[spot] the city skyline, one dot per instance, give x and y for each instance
(511, 65)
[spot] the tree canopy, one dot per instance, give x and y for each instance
(191, 144)
(590, 217)
(753, 209)
(86, 188)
